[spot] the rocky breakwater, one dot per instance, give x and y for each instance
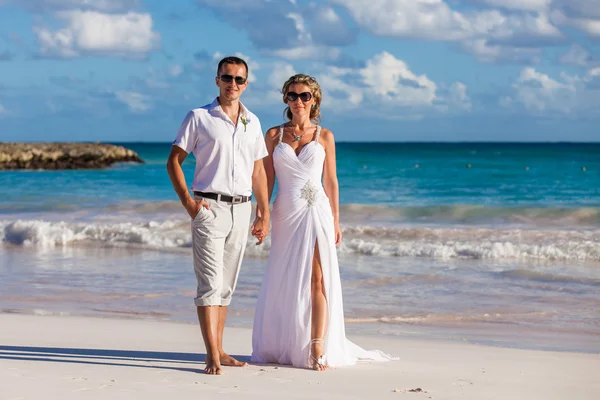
(63, 155)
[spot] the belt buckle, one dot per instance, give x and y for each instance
(237, 199)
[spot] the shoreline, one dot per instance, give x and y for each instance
(74, 357)
(382, 296)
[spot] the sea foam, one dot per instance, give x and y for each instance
(439, 242)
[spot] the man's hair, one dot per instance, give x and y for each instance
(232, 60)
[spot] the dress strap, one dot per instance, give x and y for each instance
(318, 133)
(280, 134)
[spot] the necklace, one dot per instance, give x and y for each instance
(297, 137)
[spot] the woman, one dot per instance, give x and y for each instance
(299, 318)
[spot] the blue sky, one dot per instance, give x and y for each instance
(391, 70)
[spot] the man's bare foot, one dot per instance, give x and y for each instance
(212, 367)
(229, 361)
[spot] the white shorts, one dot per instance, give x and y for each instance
(219, 237)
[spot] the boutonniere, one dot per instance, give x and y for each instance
(245, 120)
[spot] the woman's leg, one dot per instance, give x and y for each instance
(319, 311)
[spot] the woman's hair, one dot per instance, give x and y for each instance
(315, 89)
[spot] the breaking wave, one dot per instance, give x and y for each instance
(439, 242)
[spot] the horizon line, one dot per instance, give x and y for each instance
(410, 142)
(337, 142)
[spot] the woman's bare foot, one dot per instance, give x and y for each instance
(229, 361)
(213, 367)
(319, 361)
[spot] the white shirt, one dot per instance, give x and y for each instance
(225, 155)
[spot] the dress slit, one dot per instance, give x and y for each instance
(316, 250)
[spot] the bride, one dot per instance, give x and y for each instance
(299, 317)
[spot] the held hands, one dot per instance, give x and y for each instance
(260, 227)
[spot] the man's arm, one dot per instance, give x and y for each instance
(176, 158)
(260, 227)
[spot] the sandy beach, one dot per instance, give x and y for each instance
(66, 357)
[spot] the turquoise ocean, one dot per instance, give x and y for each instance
(482, 242)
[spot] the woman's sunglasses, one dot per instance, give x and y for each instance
(293, 96)
(240, 80)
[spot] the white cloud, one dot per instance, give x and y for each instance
(418, 19)
(280, 73)
(329, 15)
(270, 95)
(588, 92)
(298, 21)
(524, 5)
(492, 30)
(387, 88)
(308, 52)
(56, 5)
(90, 32)
(136, 102)
(591, 81)
(327, 28)
(3, 111)
(537, 27)
(590, 26)
(576, 55)
(490, 35)
(286, 29)
(156, 84)
(175, 70)
(581, 14)
(435, 20)
(578, 8)
(569, 95)
(458, 96)
(304, 47)
(393, 81)
(538, 92)
(592, 73)
(486, 52)
(334, 82)
(515, 29)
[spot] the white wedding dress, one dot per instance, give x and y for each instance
(301, 217)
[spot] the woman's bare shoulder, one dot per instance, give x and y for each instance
(326, 135)
(272, 132)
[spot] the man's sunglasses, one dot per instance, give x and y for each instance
(240, 80)
(293, 96)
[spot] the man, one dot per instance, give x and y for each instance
(228, 144)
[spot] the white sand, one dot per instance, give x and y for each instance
(50, 357)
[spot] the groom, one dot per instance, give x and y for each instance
(227, 142)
